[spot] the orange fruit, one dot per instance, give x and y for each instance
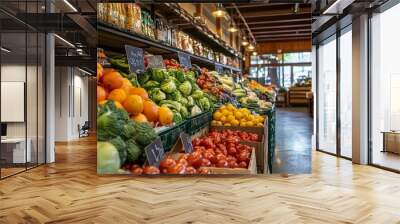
(118, 95)
(139, 118)
(165, 115)
(150, 110)
(140, 92)
(116, 103)
(126, 86)
(112, 80)
(99, 71)
(133, 104)
(101, 94)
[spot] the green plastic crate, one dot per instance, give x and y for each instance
(198, 122)
(171, 135)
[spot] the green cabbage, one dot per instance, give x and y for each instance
(168, 86)
(177, 117)
(108, 161)
(190, 101)
(157, 95)
(178, 74)
(197, 94)
(159, 75)
(184, 112)
(183, 101)
(204, 104)
(143, 78)
(151, 84)
(176, 96)
(185, 88)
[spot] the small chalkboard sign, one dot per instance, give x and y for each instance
(186, 142)
(155, 61)
(135, 59)
(154, 152)
(219, 68)
(184, 60)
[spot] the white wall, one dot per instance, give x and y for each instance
(71, 102)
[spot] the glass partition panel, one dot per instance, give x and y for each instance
(385, 89)
(327, 96)
(346, 94)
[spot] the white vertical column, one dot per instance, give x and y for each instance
(314, 90)
(50, 92)
(360, 90)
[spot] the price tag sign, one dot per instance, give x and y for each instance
(135, 59)
(186, 142)
(155, 61)
(219, 68)
(155, 152)
(184, 60)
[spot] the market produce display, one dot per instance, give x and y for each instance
(215, 150)
(229, 115)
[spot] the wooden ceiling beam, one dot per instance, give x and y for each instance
(279, 21)
(280, 12)
(284, 35)
(298, 26)
(281, 31)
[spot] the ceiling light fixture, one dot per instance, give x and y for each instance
(250, 47)
(70, 5)
(254, 53)
(232, 28)
(219, 12)
(64, 40)
(244, 41)
(5, 50)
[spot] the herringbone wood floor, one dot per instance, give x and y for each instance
(69, 191)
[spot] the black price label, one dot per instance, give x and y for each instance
(135, 59)
(186, 142)
(184, 60)
(219, 68)
(155, 61)
(154, 152)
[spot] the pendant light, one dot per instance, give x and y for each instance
(244, 41)
(254, 53)
(232, 29)
(219, 12)
(250, 47)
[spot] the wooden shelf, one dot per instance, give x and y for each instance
(113, 38)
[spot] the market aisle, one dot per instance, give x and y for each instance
(293, 141)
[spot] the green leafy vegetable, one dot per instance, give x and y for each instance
(168, 86)
(108, 159)
(185, 88)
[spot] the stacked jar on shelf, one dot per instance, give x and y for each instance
(131, 17)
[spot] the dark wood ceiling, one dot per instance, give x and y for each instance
(274, 21)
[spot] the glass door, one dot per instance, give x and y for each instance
(327, 93)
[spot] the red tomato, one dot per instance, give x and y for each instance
(194, 159)
(220, 157)
(222, 163)
(134, 166)
(231, 158)
(151, 170)
(243, 156)
(233, 164)
(243, 164)
(182, 161)
(196, 142)
(184, 156)
(177, 169)
(191, 170)
(204, 170)
(167, 162)
(232, 151)
(210, 156)
(137, 171)
(164, 170)
(205, 162)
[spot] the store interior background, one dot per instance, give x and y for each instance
(43, 82)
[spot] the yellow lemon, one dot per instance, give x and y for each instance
(222, 108)
(250, 124)
(243, 123)
(235, 123)
(222, 119)
(230, 107)
(227, 124)
(214, 122)
(217, 115)
(230, 118)
(219, 123)
(225, 112)
(238, 115)
(260, 125)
